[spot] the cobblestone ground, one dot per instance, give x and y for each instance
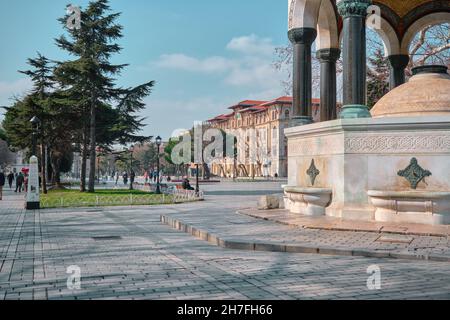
(152, 261)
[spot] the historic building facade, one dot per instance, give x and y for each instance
(259, 127)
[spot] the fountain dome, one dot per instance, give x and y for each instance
(426, 94)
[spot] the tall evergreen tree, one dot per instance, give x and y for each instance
(42, 76)
(55, 127)
(91, 78)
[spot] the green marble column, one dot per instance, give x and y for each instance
(354, 13)
(302, 40)
(328, 58)
(398, 63)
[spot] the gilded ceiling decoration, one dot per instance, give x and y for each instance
(402, 7)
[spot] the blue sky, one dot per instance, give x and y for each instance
(204, 54)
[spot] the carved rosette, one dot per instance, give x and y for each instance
(313, 172)
(414, 173)
(349, 8)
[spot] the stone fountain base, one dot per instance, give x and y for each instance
(350, 157)
(411, 206)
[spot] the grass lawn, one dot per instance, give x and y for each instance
(101, 198)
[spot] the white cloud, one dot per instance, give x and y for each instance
(16, 88)
(254, 73)
(183, 62)
(252, 67)
(252, 45)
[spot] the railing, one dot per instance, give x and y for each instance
(186, 195)
(96, 201)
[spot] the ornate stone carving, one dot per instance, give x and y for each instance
(291, 14)
(313, 172)
(302, 35)
(348, 8)
(414, 173)
(329, 55)
(395, 144)
(403, 7)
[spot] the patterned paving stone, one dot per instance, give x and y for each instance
(154, 261)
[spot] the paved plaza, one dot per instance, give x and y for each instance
(127, 253)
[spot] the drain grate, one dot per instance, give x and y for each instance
(107, 238)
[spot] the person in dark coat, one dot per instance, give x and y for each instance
(186, 185)
(19, 182)
(2, 183)
(10, 179)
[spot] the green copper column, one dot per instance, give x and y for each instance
(398, 63)
(302, 39)
(328, 58)
(354, 13)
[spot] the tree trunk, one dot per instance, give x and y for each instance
(84, 161)
(92, 154)
(43, 169)
(56, 164)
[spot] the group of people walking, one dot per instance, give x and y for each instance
(20, 179)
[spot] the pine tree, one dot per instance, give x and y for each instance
(377, 77)
(91, 79)
(42, 77)
(55, 126)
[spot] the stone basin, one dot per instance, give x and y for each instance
(308, 201)
(425, 207)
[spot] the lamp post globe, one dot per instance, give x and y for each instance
(158, 142)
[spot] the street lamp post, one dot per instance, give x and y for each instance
(35, 126)
(197, 186)
(158, 144)
(131, 168)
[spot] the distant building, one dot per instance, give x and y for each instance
(10, 160)
(268, 119)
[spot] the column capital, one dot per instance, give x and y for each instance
(399, 61)
(302, 35)
(349, 8)
(328, 55)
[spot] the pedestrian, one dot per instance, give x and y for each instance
(186, 185)
(25, 182)
(125, 178)
(2, 183)
(10, 179)
(19, 182)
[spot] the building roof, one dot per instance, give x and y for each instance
(246, 104)
(256, 106)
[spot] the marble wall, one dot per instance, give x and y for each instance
(358, 155)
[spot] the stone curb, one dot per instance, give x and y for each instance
(238, 244)
(332, 228)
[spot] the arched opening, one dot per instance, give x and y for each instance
(327, 27)
(430, 45)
